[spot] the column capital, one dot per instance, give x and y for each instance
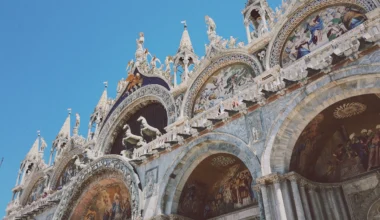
(312, 187)
(304, 183)
(257, 188)
(276, 179)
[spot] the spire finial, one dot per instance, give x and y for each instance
(184, 24)
(69, 110)
(38, 133)
(105, 84)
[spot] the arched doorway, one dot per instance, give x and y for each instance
(341, 142)
(107, 199)
(220, 184)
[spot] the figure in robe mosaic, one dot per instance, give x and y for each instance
(37, 191)
(111, 203)
(341, 142)
(224, 84)
(69, 172)
(217, 194)
(320, 28)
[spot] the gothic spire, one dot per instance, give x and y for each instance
(34, 151)
(185, 43)
(185, 55)
(103, 98)
(65, 129)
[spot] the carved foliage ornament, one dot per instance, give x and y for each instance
(211, 69)
(301, 15)
(348, 110)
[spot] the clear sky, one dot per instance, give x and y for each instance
(56, 55)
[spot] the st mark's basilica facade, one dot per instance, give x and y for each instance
(284, 127)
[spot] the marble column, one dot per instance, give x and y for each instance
(267, 210)
(279, 198)
(175, 77)
(314, 202)
(326, 204)
(334, 206)
(248, 31)
(319, 203)
(305, 200)
(341, 202)
(297, 198)
(259, 197)
(288, 203)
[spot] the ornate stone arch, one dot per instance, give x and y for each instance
(59, 167)
(277, 43)
(194, 153)
(143, 96)
(28, 189)
(306, 104)
(110, 166)
(216, 64)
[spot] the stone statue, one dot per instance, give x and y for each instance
(90, 155)
(79, 164)
(231, 42)
(211, 29)
(148, 130)
(130, 138)
(77, 120)
(140, 41)
(153, 62)
(129, 66)
(240, 45)
(168, 60)
(210, 24)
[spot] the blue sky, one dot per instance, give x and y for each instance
(56, 55)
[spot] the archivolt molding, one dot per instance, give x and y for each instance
(215, 65)
(141, 97)
(191, 156)
(28, 189)
(59, 167)
(305, 105)
(110, 166)
(278, 42)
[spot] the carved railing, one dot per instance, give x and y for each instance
(271, 82)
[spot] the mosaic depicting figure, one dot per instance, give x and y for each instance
(341, 142)
(37, 191)
(320, 28)
(217, 195)
(222, 85)
(111, 203)
(67, 174)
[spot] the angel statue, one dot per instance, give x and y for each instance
(153, 62)
(210, 24)
(129, 66)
